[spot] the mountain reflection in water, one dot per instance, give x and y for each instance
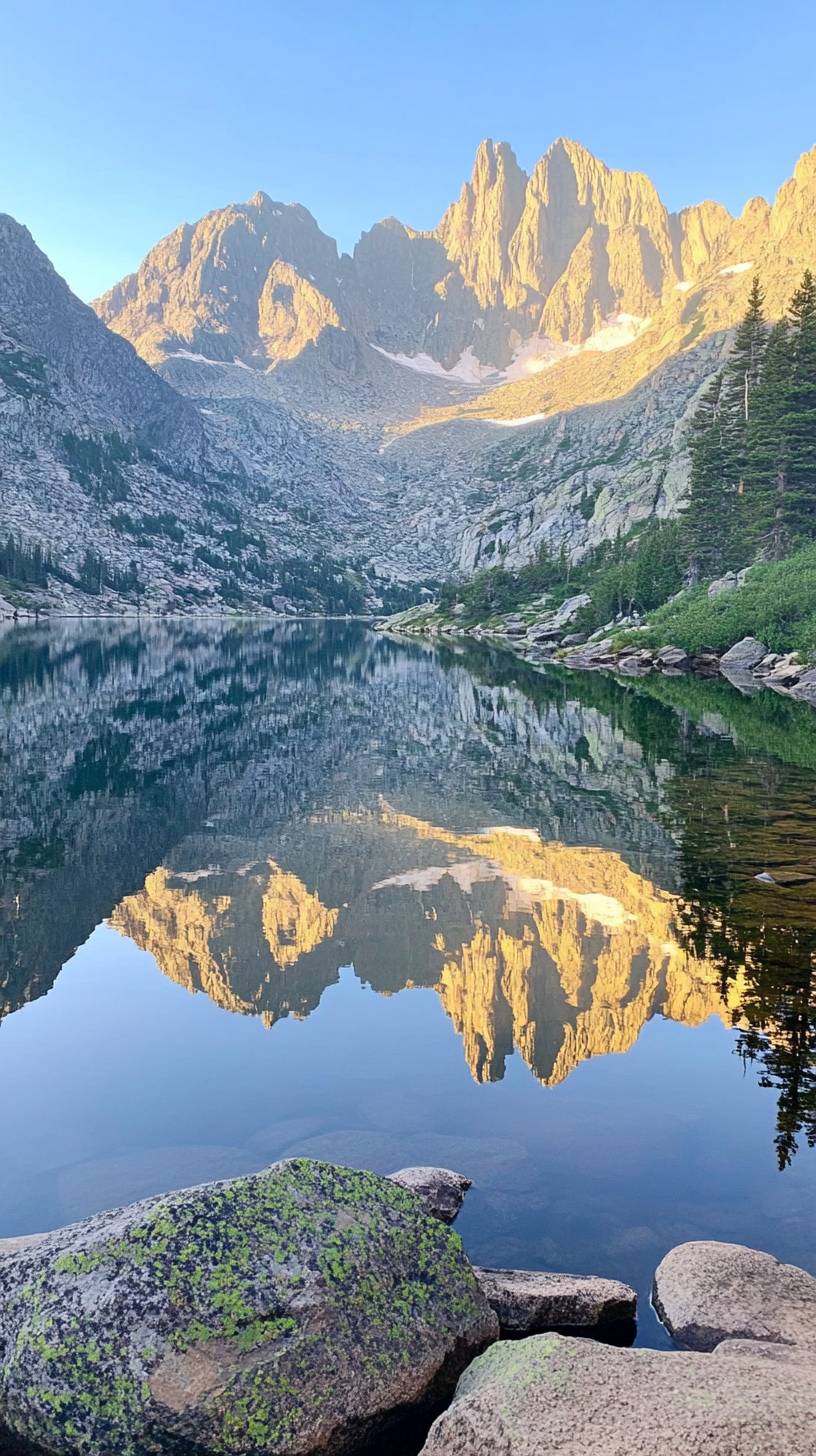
(556, 861)
(561, 952)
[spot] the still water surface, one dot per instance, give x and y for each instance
(300, 889)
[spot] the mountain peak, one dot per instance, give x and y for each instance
(491, 157)
(259, 199)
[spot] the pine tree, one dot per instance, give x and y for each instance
(800, 414)
(706, 523)
(745, 360)
(740, 382)
(767, 448)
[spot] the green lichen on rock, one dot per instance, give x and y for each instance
(236, 1316)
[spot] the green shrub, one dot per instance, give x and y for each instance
(777, 604)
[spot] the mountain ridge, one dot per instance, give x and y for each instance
(313, 426)
(548, 257)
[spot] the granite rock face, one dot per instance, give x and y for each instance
(528, 1301)
(441, 1190)
(706, 1292)
(293, 1311)
(576, 1396)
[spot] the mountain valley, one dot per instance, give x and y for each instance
(253, 421)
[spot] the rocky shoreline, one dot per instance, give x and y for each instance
(748, 664)
(313, 1310)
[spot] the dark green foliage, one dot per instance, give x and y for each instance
(753, 446)
(776, 604)
(164, 523)
(799, 421)
(22, 373)
(95, 572)
(712, 493)
(500, 590)
(321, 585)
(633, 573)
(24, 565)
(767, 446)
(396, 596)
(97, 463)
(721, 520)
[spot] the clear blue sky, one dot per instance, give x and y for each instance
(121, 120)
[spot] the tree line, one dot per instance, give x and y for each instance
(753, 443)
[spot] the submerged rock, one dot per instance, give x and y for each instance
(293, 1311)
(575, 1396)
(441, 1190)
(706, 1292)
(528, 1301)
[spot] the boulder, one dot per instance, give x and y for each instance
(706, 1292)
(805, 686)
(744, 655)
(728, 583)
(766, 1350)
(441, 1190)
(767, 664)
(527, 1301)
(596, 650)
(675, 657)
(568, 610)
(574, 639)
(544, 632)
(786, 673)
(552, 1393)
(293, 1311)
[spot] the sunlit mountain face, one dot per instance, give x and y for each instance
(299, 888)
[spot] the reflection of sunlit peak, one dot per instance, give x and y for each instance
(294, 920)
(602, 909)
(467, 873)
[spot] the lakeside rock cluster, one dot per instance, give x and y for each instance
(311, 1308)
(747, 665)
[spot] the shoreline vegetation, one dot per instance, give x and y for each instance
(684, 594)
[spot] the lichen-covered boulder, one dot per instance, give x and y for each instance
(552, 1393)
(706, 1291)
(294, 1311)
(440, 1189)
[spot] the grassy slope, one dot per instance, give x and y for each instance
(777, 604)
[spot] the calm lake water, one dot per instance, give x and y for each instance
(297, 888)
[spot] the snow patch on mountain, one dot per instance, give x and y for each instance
(466, 370)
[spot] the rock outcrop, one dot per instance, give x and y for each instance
(707, 1292)
(573, 1396)
(744, 655)
(297, 1311)
(528, 1301)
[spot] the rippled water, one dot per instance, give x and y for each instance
(299, 888)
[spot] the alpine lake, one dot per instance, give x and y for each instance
(301, 888)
